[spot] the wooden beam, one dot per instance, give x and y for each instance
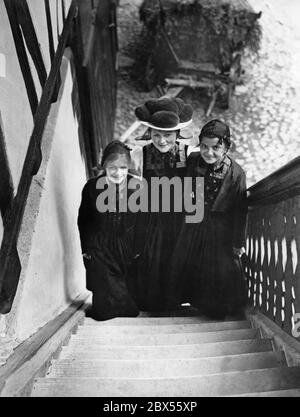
(189, 83)
(63, 10)
(133, 127)
(50, 30)
(51, 48)
(33, 46)
(6, 185)
(22, 55)
(6, 199)
(199, 67)
(57, 20)
(169, 45)
(212, 103)
(173, 91)
(32, 358)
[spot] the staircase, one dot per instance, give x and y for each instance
(168, 357)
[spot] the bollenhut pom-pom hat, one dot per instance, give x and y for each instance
(165, 113)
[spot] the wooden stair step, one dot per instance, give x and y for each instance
(165, 367)
(93, 330)
(207, 385)
(155, 321)
(235, 347)
(282, 393)
(163, 339)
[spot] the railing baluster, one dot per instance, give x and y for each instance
(273, 222)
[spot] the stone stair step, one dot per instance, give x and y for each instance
(166, 367)
(78, 351)
(230, 383)
(93, 330)
(162, 338)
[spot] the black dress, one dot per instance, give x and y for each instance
(109, 240)
(159, 230)
(203, 270)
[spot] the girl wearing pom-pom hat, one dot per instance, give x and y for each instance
(165, 156)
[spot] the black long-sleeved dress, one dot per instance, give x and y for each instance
(158, 230)
(203, 270)
(109, 240)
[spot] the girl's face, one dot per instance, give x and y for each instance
(211, 150)
(163, 140)
(117, 170)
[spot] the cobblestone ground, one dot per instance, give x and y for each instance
(264, 117)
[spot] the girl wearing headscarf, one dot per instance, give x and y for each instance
(107, 236)
(205, 268)
(164, 157)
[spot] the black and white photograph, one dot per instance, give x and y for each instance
(149, 201)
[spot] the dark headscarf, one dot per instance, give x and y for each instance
(216, 128)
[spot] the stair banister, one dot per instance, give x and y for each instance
(273, 246)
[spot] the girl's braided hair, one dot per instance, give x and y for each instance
(114, 149)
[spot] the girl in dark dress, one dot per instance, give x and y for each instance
(107, 237)
(164, 157)
(205, 269)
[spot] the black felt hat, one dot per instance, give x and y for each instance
(165, 113)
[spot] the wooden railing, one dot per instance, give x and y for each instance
(273, 245)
